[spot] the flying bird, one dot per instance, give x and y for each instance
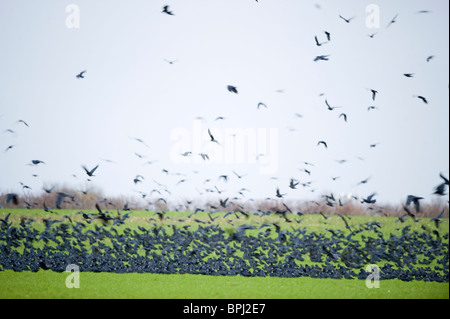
(232, 89)
(81, 75)
(424, 100)
(408, 75)
(23, 122)
(331, 108)
(415, 200)
(344, 116)
(260, 104)
(167, 11)
(212, 137)
(328, 35)
(431, 57)
(317, 42)
(170, 61)
(321, 58)
(278, 194)
(293, 184)
(345, 19)
(394, 19)
(322, 142)
(374, 93)
(90, 173)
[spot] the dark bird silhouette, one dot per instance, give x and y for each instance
(431, 57)
(372, 107)
(328, 35)
(424, 100)
(317, 42)
(415, 200)
(81, 75)
(374, 93)
(322, 142)
(369, 199)
(278, 194)
(408, 212)
(344, 116)
(364, 181)
(260, 104)
(446, 181)
(9, 147)
(167, 11)
(293, 184)
(408, 75)
(12, 197)
(170, 61)
(23, 122)
(394, 19)
(90, 173)
(345, 19)
(321, 58)
(36, 162)
(232, 89)
(331, 108)
(212, 137)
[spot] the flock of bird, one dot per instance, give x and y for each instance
(199, 248)
(208, 249)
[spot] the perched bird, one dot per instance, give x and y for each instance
(81, 75)
(167, 11)
(232, 89)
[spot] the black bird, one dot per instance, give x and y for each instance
(437, 220)
(81, 75)
(446, 181)
(12, 197)
(36, 162)
(415, 200)
(422, 98)
(167, 11)
(23, 122)
(409, 212)
(278, 194)
(328, 35)
(331, 108)
(261, 104)
(431, 57)
(345, 19)
(394, 19)
(343, 115)
(364, 181)
(9, 147)
(170, 61)
(321, 58)
(232, 89)
(369, 199)
(293, 184)
(372, 107)
(374, 93)
(317, 42)
(212, 137)
(440, 189)
(408, 75)
(90, 173)
(322, 142)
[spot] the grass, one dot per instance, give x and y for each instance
(49, 285)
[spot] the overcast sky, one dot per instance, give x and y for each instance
(266, 50)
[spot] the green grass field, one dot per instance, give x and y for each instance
(49, 284)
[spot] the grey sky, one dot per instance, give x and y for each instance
(131, 91)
